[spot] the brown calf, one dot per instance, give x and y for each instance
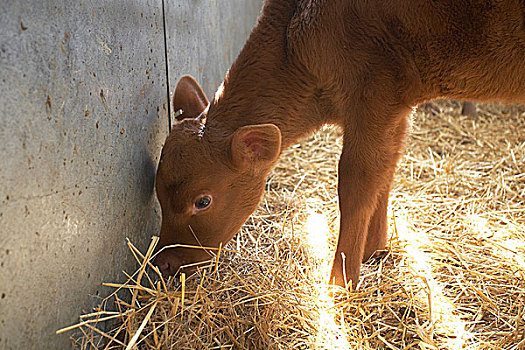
(359, 64)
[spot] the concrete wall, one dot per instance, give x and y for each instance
(203, 41)
(83, 115)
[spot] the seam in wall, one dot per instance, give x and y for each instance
(166, 63)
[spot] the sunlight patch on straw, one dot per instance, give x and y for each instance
(442, 312)
(330, 334)
(511, 250)
(317, 231)
(502, 240)
(478, 224)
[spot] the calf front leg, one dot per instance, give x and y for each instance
(377, 228)
(366, 170)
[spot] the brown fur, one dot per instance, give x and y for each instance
(360, 64)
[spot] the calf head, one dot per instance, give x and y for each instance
(208, 181)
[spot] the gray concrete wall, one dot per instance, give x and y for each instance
(83, 116)
(203, 41)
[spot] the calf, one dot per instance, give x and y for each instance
(355, 63)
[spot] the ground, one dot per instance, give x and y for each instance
(452, 276)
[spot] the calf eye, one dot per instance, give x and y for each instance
(203, 202)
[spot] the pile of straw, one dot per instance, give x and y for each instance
(452, 277)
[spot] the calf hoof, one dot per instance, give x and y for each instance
(377, 255)
(341, 278)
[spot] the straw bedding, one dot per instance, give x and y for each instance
(451, 278)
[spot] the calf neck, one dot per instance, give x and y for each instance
(358, 64)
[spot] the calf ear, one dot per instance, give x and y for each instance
(189, 97)
(256, 145)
